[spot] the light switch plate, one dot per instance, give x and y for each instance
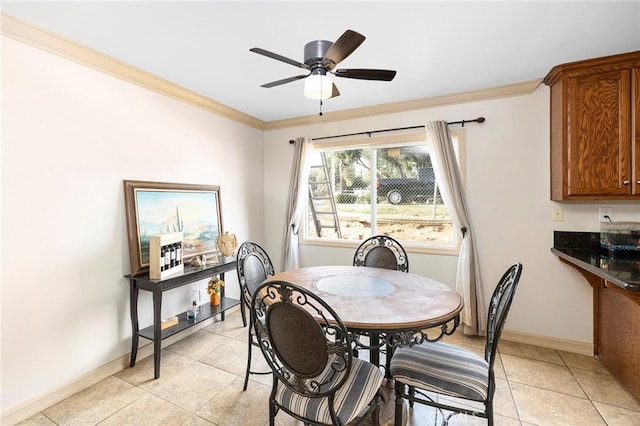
(557, 214)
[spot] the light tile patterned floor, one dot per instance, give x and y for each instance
(202, 375)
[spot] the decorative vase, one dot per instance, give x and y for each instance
(215, 299)
(227, 243)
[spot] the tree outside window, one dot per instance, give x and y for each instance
(351, 200)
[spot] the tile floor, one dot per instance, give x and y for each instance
(202, 375)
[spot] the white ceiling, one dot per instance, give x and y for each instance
(437, 48)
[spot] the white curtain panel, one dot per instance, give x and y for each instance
(468, 283)
(295, 206)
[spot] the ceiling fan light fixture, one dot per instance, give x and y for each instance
(318, 86)
(320, 58)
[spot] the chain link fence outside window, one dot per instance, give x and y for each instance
(349, 199)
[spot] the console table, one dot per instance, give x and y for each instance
(157, 287)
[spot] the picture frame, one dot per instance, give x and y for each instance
(159, 207)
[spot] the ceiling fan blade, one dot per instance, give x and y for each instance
(279, 57)
(284, 81)
(334, 91)
(366, 74)
(343, 47)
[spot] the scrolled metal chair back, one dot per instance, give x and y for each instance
(382, 251)
(302, 338)
(253, 267)
(499, 308)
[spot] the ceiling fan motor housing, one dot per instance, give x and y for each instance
(314, 52)
(322, 56)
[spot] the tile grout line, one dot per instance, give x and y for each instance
(582, 388)
(506, 376)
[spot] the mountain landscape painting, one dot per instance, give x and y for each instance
(194, 213)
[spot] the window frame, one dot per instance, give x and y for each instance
(375, 141)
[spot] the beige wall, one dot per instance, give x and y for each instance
(70, 135)
(507, 178)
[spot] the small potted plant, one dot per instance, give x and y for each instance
(214, 288)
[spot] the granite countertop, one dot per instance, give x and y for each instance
(583, 250)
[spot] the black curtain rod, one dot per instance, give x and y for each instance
(370, 132)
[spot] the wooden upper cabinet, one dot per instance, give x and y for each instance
(598, 157)
(635, 128)
(595, 130)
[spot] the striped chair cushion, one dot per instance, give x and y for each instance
(356, 394)
(442, 368)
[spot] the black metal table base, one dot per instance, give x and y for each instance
(387, 341)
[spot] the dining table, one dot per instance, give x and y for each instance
(388, 307)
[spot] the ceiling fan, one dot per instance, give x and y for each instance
(320, 59)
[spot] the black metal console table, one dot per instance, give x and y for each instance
(157, 287)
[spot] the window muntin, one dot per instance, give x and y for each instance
(404, 202)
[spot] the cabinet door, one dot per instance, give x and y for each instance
(635, 131)
(599, 137)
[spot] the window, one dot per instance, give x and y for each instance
(350, 200)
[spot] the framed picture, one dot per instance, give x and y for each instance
(157, 208)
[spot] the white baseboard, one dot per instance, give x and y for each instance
(574, 346)
(33, 406)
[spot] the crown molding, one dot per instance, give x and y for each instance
(517, 89)
(60, 46)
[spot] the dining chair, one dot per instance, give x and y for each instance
(316, 379)
(449, 370)
(253, 266)
(382, 251)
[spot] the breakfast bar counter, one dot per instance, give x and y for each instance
(625, 273)
(616, 303)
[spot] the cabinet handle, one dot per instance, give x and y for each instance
(626, 182)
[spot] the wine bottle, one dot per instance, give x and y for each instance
(162, 262)
(167, 258)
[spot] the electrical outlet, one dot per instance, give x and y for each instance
(557, 214)
(604, 214)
